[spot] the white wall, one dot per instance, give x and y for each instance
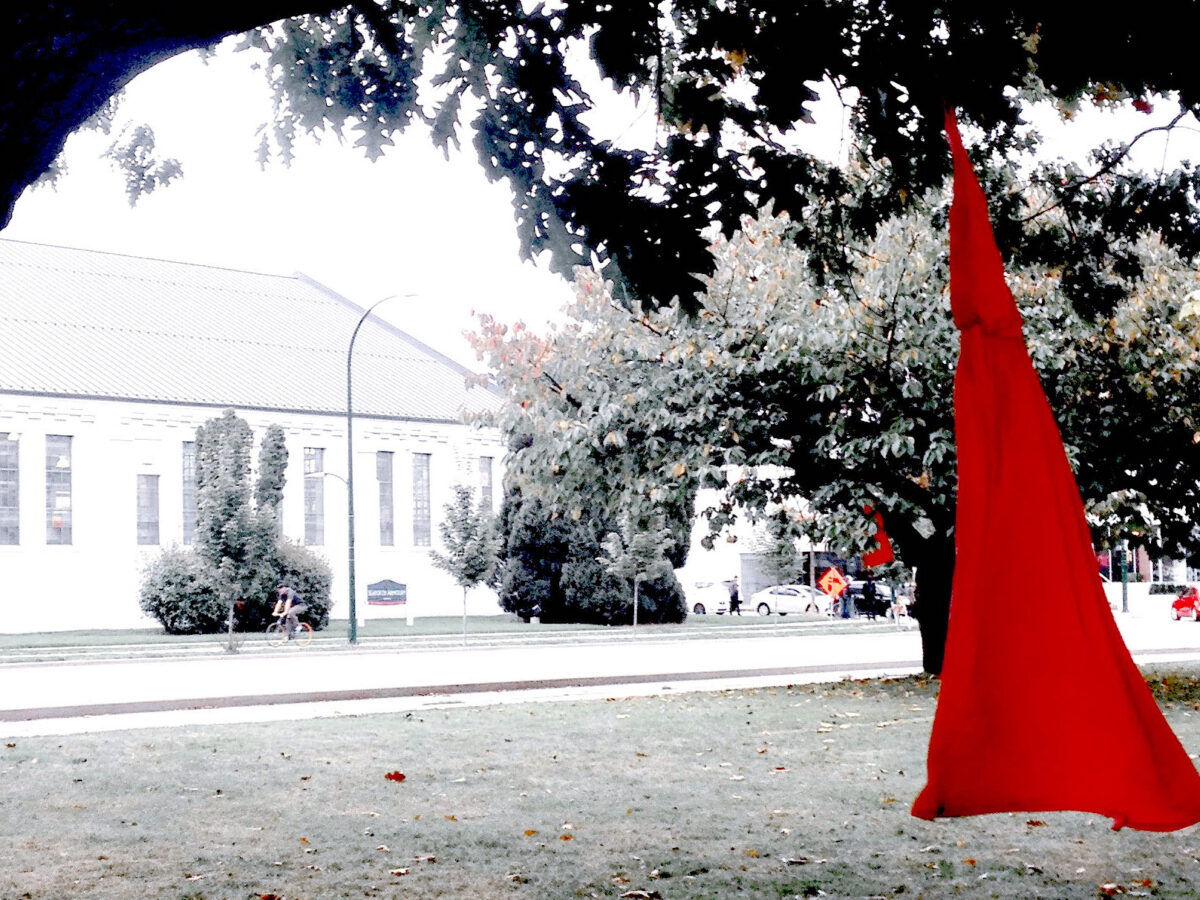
(93, 582)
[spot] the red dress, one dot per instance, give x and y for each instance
(1041, 705)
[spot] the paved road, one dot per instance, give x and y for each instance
(83, 695)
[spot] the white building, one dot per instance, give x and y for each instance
(108, 364)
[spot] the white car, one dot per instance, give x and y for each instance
(708, 597)
(789, 598)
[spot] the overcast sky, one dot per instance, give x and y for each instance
(410, 223)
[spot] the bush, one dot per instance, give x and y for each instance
(551, 567)
(182, 594)
(177, 592)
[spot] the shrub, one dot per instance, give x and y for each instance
(177, 591)
(182, 593)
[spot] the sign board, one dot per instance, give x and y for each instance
(833, 582)
(387, 593)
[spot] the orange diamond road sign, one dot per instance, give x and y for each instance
(833, 582)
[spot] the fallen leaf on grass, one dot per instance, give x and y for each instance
(566, 837)
(530, 832)
(969, 862)
(394, 776)
(450, 818)
(752, 853)
(304, 840)
(1035, 823)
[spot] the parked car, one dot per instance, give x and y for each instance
(706, 597)
(1187, 605)
(788, 598)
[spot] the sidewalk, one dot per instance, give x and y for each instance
(36, 696)
(41, 698)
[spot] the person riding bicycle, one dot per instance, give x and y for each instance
(288, 606)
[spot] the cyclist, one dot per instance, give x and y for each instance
(289, 605)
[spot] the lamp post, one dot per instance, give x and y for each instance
(350, 463)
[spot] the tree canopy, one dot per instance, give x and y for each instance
(731, 84)
(807, 399)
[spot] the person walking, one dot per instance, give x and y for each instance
(735, 602)
(870, 594)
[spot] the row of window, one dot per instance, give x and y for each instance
(59, 509)
(58, 489)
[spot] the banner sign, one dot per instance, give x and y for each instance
(387, 593)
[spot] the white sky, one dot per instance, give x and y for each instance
(409, 223)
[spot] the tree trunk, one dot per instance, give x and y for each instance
(935, 576)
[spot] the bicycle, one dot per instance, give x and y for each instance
(279, 634)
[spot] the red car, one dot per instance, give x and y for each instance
(1187, 605)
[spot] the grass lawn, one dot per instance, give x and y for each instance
(789, 792)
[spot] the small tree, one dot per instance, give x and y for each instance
(471, 544)
(638, 554)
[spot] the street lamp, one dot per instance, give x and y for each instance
(350, 462)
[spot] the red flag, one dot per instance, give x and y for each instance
(1041, 706)
(883, 546)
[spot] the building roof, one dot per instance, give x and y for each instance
(88, 324)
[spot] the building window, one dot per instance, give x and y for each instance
(314, 496)
(58, 489)
(387, 512)
(485, 482)
(10, 532)
(190, 510)
(147, 509)
(422, 529)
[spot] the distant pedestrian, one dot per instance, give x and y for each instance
(735, 602)
(870, 594)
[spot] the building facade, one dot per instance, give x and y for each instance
(110, 364)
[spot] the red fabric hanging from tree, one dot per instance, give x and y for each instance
(1041, 706)
(881, 553)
